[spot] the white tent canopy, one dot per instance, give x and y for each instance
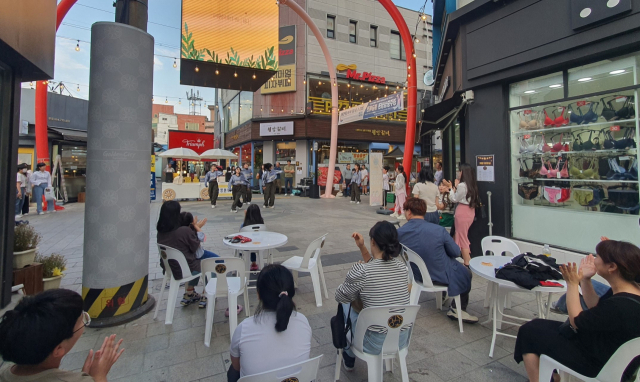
(180, 153)
(218, 154)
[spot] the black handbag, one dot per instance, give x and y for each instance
(339, 328)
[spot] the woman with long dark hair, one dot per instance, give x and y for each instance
(379, 279)
(610, 321)
(173, 234)
(252, 216)
(427, 190)
(276, 336)
(401, 192)
(236, 183)
(465, 193)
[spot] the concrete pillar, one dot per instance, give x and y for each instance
(269, 152)
(302, 153)
(116, 230)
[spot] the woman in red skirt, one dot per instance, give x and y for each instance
(465, 193)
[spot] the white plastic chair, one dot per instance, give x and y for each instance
(246, 254)
(166, 254)
(310, 264)
(224, 286)
(393, 318)
(611, 372)
(498, 245)
(305, 371)
(427, 284)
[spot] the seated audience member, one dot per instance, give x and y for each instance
(173, 234)
(610, 321)
(41, 330)
(438, 250)
(277, 336)
(252, 216)
(379, 279)
(187, 220)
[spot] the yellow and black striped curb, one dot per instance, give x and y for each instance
(112, 302)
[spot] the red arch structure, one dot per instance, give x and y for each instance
(42, 143)
(412, 95)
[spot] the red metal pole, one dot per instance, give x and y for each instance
(42, 142)
(412, 95)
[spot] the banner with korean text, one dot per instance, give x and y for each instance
(386, 105)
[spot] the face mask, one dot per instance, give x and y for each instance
(24, 170)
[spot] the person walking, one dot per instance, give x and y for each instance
(25, 206)
(247, 173)
(289, 173)
(355, 185)
(278, 184)
(235, 186)
(259, 177)
(21, 190)
(211, 181)
(427, 190)
(269, 181)
(364, 178)
(41, 183)
(385, 185)
(465, 193)
(400, 192)
(347, 181)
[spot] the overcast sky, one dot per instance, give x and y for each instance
(72, 67)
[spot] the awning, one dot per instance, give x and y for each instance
(71, 135)
(438, 113)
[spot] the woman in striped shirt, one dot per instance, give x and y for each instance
(379, 279)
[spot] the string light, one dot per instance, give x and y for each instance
(152, 99)
(179, 101)
(31, 83)
(235, 74)
(78, 46)
(254, 76)
(175, 64)
(217, 72)
(424, 17)
(197, 69)
(417, 41)
(166, 100)
(78, 88)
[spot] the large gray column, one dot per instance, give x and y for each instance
(116, 234)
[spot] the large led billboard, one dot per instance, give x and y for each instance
(229, 44)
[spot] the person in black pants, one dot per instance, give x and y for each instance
(248, 175)
(355, 185)
(269, 181)
(211, 181)
(235, 185)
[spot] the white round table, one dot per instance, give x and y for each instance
(485, 267)
(260, 241)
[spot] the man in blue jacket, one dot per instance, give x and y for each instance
(438, 250)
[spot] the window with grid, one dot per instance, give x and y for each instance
(331, 26)
(395, 46)
(373, 36)
(353, 28)
(192, 126)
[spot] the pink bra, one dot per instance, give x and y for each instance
(553, 173)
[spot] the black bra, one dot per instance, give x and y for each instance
(627, 111)
(625, 142)
(579, 145)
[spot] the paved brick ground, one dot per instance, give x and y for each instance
(159, 352)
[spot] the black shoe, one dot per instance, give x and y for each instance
(349, 362)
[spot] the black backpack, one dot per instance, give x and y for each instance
(339, 328)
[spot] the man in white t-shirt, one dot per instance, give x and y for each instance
(364, 176)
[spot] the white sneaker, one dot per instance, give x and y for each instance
(213, 206)
(18, 217)
(233, 210)
(402, 217)
(466, 317)
(40, 213)
(394, 215)
(357, 202)
(352, 201)
(236, 211)
(265, 206)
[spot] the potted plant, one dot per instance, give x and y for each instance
(52, 268)
(25, 243)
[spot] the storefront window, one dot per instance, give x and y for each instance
(348, 152)
(246, 106)
(603, 76)
(258, 157)
(74, 166)
(234, 112)
(536, 90)
(575, 163)
(285, 151)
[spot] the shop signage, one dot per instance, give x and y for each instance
(196, 141)
(276, 128)
(375, 132)
(353, 74)
(238, 135)
(24, 128)
(372, 109)
(347, 158)
(588, 12)
(485, 168)
(285, 79)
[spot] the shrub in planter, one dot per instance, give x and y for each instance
(25, 242)
(52, 268)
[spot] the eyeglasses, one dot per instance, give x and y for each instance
(86, 320)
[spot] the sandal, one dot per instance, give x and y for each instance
(226, 313)
(188, 299)
(203, 302)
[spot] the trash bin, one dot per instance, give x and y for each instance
(391, 197)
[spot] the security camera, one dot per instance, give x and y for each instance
(468, 96)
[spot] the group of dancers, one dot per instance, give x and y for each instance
(240, 185)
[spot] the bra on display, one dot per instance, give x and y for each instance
(627, 111)
(626, 142)
(528, 191)
(532, 122)
(584, 168)
(578, 118)
(555, 121)
(589, 144)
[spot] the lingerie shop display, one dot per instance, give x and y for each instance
(556, 195)
(626, 111)
(588, 196)
(626, 142)
(625, 198)
(583, 167)
(528, 191)
(619, 172)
